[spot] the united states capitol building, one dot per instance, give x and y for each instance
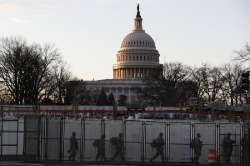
(135, 60)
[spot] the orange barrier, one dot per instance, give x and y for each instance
(212, 157)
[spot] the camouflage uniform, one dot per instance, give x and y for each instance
(196, 145)
(227, 147)
(158, 144)
(118, 143)
(73, 147)
(100, 145)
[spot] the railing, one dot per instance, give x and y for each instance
(120, 111)
(47, 138)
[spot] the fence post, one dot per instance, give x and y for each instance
(218, 142)
(61, 142)
(39, 137)
(124, 138)
(167, 142)
(1, 133)
(192, 135)
(82, 140)
(143, 141)
(46, 138)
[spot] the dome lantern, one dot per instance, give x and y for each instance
(138, 20)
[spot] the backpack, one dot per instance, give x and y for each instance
(96, 143)
(114, 140)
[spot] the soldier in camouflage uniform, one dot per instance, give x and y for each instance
(100, 145)
(158, 144)
(73, 147)
(196, 145)
(227, 147)
(118, 144)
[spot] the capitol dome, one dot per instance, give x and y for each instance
(138, 39)
(137, 57)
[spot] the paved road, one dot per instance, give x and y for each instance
(78, 164)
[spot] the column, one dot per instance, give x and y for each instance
(129, 71)
(143, 73)
(126, 73)
(146, 72)
(132, 73)
(123, 73)
(140, 72)
(137, 72)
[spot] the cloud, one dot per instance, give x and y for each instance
(7, 7)
(18, 20)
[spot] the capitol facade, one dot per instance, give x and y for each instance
(136, 59)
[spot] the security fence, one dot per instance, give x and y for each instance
(46, 138)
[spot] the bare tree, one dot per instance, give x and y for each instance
(171, 89)
(78, 93)
(10, 66)
(176, 71)
(200, 76)
(24, 69)
(209, 81)
(232, 81)
(219, 83)
(243, 54)
(215, 83)
(61, 75)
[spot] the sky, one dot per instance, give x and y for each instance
(88, 33)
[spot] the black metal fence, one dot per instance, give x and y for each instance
(46, 138)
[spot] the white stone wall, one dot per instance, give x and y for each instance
(119, 87)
